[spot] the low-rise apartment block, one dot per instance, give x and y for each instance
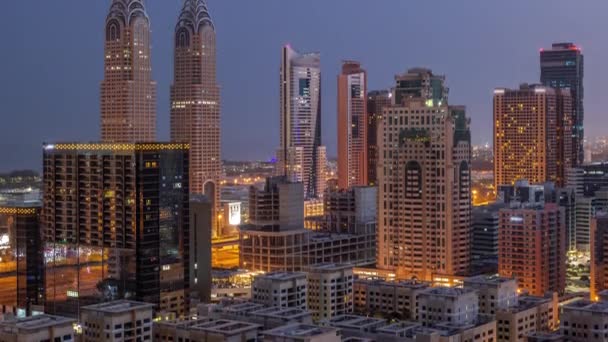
(205, 329)
(39, 328)
(282, 289)
(302, 333)
(494, 292)
(396, 298)
(121, 320)
(448, 305)
(330, 290)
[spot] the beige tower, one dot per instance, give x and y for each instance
(195, 100)
(128, 93)
(424, 187)
(352, 126)
(300, 156)
(531, 134)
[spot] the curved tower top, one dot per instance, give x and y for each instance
(195, 15)
(195, 101)
(128, 92)
(127, 10)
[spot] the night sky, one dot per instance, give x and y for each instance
(51, 60)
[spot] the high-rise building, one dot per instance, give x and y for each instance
(21, 255)
(532, 247)
(588, 178)
(115, 224)
(561, 67)
(300, 155)
(421, 83)
(424, 184)
(529, 139)
(376, 101)
(195, 100)
(128, 93)
(352, 126)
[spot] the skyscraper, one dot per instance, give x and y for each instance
(195, 100)
(529, 139)
(421, 83)
(115, 224)
(352, 126)
(128, 93)
(300, 156)
(561, 67)
(424, 184)
(376, 101)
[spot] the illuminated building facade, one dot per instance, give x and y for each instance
(21, 272)
(115, 225)
(195, 101)
(532, 247)
(424, 185)
(352, 127)
(599, 254)
(376, 101)
(562, 67)
(529, 139)
(300, 156)
(128, 93)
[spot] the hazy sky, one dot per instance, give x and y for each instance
(51, 60)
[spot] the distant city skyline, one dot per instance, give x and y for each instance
(51, 89)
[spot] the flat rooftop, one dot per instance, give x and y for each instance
(356, 322)
(298, 330)
(587, 305)
(330, 267)
(451, 292)
(489, 280)
(282, 275)
(35, 323)
(242, 308)
(410, 284)
(118, 306)
(281, 312)
(398, 328)
(217, 326)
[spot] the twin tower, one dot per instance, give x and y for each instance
(128, 92)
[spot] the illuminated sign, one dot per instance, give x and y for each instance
(72, 294)
(516, 219)
(234, 213)
(4, 241)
